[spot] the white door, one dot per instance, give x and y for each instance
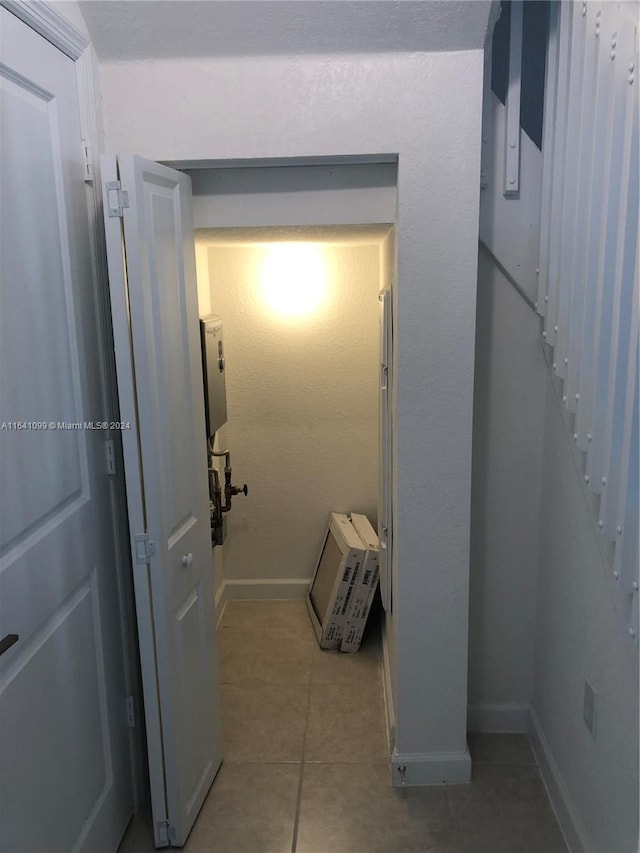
(65, 769)
(156, 329)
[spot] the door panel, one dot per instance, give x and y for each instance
(192, 654)
(63, 736)
(168, 316)
(160, 381)
(43, 307)
(70, 722)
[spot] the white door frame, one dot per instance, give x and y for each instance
(392, 286)
(40, 17)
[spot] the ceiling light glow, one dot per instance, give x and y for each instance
(293, 279)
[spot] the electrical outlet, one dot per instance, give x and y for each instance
(589, 707)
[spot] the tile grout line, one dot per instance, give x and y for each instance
(296, 821)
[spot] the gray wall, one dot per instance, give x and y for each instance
(507, 450)
(578, 635)
(543, 607)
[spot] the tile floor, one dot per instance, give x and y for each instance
(306, 764)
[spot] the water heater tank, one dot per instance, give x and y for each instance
(213, 370)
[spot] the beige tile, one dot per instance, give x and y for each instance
(346, 723)
(499, 789)
(271, 655)
(264, 722)
(352, 808)
(251, 808)
(267, 614)
(268, 656)
(529, 831)
(333, 667)
(500, 748)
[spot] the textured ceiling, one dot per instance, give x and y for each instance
(146, 29)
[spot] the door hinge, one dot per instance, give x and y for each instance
(110, 451)
(87, 162)
(131, 713)
(145, 548)
(117, 198)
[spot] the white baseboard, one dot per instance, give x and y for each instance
(575, 835)
(430, 768)
(387, 691)
(498, 718)
(266, 590)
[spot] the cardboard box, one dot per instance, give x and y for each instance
(364, 590)
(334, 580)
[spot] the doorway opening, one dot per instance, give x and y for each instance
(300, 313)
(303, 346)
(313, 243)
(293, 257)
(300, 310)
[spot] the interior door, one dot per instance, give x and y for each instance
(65, 779)
(155, 314)
(385, 520)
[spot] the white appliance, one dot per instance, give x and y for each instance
(213, 370)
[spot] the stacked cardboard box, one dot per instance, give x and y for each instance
(331, 589)
(344, 582)
(366, 584)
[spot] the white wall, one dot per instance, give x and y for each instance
(338, 194)
(543, 611)
(425, 108)
(301, 398)
(579, 634)
(507, 455)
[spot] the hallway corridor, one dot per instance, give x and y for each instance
(306, 765)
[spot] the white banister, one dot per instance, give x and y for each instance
(558, 171)
(598, 205)
(512, 106)
(620, 154)
(589, 21)
(573, 142)
(549, 144)
(588, 270)
(624, 341)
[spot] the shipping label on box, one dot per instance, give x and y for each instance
(362, 598)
